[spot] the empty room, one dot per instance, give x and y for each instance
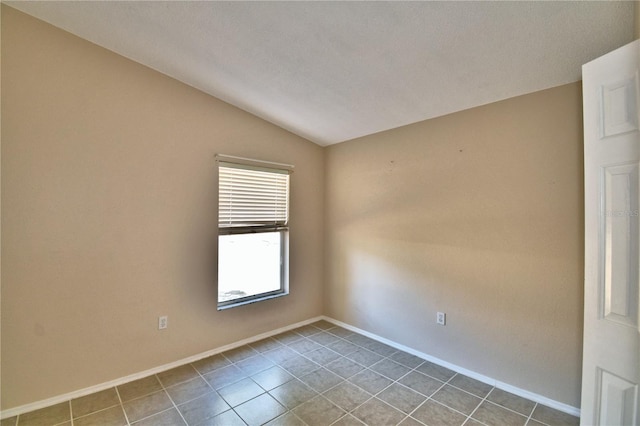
(319, 213)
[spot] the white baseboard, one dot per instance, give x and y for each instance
(121, 381)
(117, 382)
(565, 408)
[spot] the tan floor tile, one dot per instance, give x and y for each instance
(113, 416)
(228, 418)
(238, 354)
(318, 412)
(139, 388)
(321, 380)
(511, 401)
(470, 385)
(370, 381)
(210, 364)
(11, 421)
(260, 410)
(169, 417)
(377, 413)
(299, 366)
(287, 337)
(240, 392)
(323, 325)
(340, 332)
(406, 359)
(51, 415)
(177, 375)
(420, 383)
(322, 356)
(380, 348)
(255, 364)
(304, 345)
(307, 330)
(293, 393)
(433, 413)
(186, 391)
(272, 378)
(146, 406)
(365, 357)
(281, 354)
(344, 367)
(410, 421)
(402, 398)
(202, 409)
(94, 402)
(343, 347)
(390, 369)
(553, 417)
(265, 345)
(359, 339)
(347, 396)
(494, 415)
(457, 399)
(288, 419)
(324, 338)
(224, 376)
(436, 371)
(348, 420)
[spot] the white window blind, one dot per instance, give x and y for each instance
(252, 199)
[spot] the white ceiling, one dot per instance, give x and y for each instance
(334, 71)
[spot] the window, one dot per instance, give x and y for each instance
(253, 230)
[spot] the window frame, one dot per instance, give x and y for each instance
(280, 226)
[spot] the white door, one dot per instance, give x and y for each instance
(611, 358)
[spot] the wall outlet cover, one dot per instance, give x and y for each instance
(163, 322)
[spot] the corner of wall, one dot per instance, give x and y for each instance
(325, 266)
(636, 26)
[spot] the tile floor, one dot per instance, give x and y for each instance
(318, 374)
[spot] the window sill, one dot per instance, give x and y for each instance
(250, 301)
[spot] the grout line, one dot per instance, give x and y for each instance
(71, 412)
(343, 380)
(531, 414)
(430, 398)
(388, 357)
(96, 411)
(528, 416)
(262, 354)
(231, 408)
(122, 406)
(478, 406)
(175, 406)
(419, 393)
(345, 415)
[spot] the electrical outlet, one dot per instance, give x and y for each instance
(441, 318)
(163, 322)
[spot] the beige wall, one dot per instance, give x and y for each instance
(108, 216)
(478, 214)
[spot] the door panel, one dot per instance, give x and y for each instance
(618, 400)
(620, 222)
(611, 355)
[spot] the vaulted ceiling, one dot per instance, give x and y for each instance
(334, 71)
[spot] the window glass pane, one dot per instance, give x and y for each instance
(249, 264)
